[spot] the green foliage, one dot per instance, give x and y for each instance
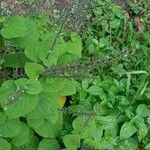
(104, 74)
(14, 27)
(4, 144)
(72, 142)
(47, 144)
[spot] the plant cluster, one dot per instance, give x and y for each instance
(104, 73)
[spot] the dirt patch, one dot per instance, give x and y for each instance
(76, 10)
(18, 7)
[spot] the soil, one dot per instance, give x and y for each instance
(76, 10)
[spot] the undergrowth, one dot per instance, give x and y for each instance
(104, 73)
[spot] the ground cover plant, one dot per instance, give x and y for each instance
(66, 90)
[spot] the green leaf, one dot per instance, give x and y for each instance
(10, 128)
(32, 35)
(7, 89)
(14, 27)
(22, 106)
(51, 60)
(143, 110)
(115, 23)
(2, 117)
(36, 50)
(4, 145)
(142, 129)
(107, 142)
(107, 122)
(59, 86)
(69, 88)
(127, 144)
(67, 58)
(15, 60)
(49, 144)
(91, 49)
(21, 83)
(74, 46)
(32, 51)
(127, 130)
(33, 70)
(95, 90)
(72, 142)
(32, 144)
(33, 87)
(47, 108)
(45, 128)
(23, 137)
(86, 128)
(147, 147)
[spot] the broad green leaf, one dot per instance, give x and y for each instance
(14, 27)
(32, 51)
(107, 122)
(127, 130)
(15, 60)
(53, 85)
(69, 88)
(21, 83)
(85, 126)
(67, 58)
(47, 108)
(7, 89)
(49, 144)
(33, 87)
(2, 117)
(127, 144)
(142, 129)
(45, 128)
(89, 143)
(107, 142)
(23, 105)
(51, 60)
(91, 49)
(50, 55)
(35, 51)
(10, 128)
(143, 110)
(23, 137)
(74, 46)
(115, 23)
(4, 145)
(147, 147)
(99, 132)
(59, 86)
(33, 70)
(72, 142)
(32, 35)
(32, 144)
(95, 90)
(111, 132)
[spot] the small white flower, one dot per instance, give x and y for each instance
(125, 55)
(12, 98)
(5, 108)
(107, 57)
